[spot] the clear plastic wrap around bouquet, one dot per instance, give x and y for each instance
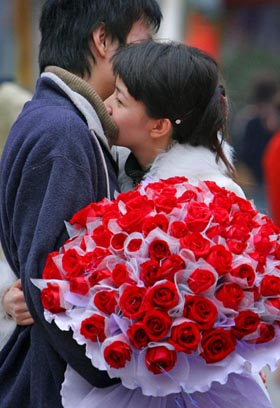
(171, 286)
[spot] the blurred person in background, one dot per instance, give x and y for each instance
(260, 126)
(271, 171)
(12, 99)
(256, 123)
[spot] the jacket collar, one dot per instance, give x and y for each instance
(197, 163)
(194, 162)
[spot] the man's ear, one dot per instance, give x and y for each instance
(99, 40)
(161, 128)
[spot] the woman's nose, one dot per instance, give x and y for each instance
(108, 106)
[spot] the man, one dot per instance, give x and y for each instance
(57, 160)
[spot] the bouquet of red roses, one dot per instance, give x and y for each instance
(170, 286)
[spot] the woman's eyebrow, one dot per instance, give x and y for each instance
(120, 91)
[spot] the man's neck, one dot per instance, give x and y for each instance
(80, 86)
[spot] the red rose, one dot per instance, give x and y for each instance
(83, 215)
(270, 285)
(50, 298)
(51, 271)
(269, 228)
(156, 324)
(154, 188)
(215, 231)
(120, 275)
(134, 244)
(196, 243)
(117, 354)
(168, 191)
(261, 259)
(185, 337)
(275, 302)
(132, 221)
(92, 259)
(266, 334)
(187, 196)
(237, 247)
(159, 249)
(170, 266)
(216, 345)
(150, 272)
(102, 236)
(244, 205)
(160, 359)
(117, 241)
(79, 285)
(93, 327)
(246, 272)
(140, 201)
(137, 335)
(97, 276)
(176, 180)
(105, 301)
(245, 219)
(128, 196)
(239, 233)
(215, 189)
(220, 215)
(178, 229)
(201, 310)
(72, 263)
(246, 322)
(201, 280)
(263, 244)
(166, 203)
(220, 258)
(230, 294)
(221, 199)
(163, 295)
(152, 222)
(131, 301)
(198, 216)
(161, 221)
(112, 214)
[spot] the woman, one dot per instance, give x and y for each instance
(171, 112)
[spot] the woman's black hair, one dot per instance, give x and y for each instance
(66, 27)
(181, 83)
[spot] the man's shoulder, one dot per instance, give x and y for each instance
(49, 118)
(52, 108)
(45, 131)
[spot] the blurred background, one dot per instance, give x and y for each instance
(243, 36)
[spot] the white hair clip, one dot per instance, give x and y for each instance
(178, 121)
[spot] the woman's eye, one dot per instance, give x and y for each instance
(118, 101)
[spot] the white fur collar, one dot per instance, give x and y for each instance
(195, 163)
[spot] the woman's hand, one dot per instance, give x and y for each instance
(15, 305)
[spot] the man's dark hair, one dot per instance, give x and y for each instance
(66, 27)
